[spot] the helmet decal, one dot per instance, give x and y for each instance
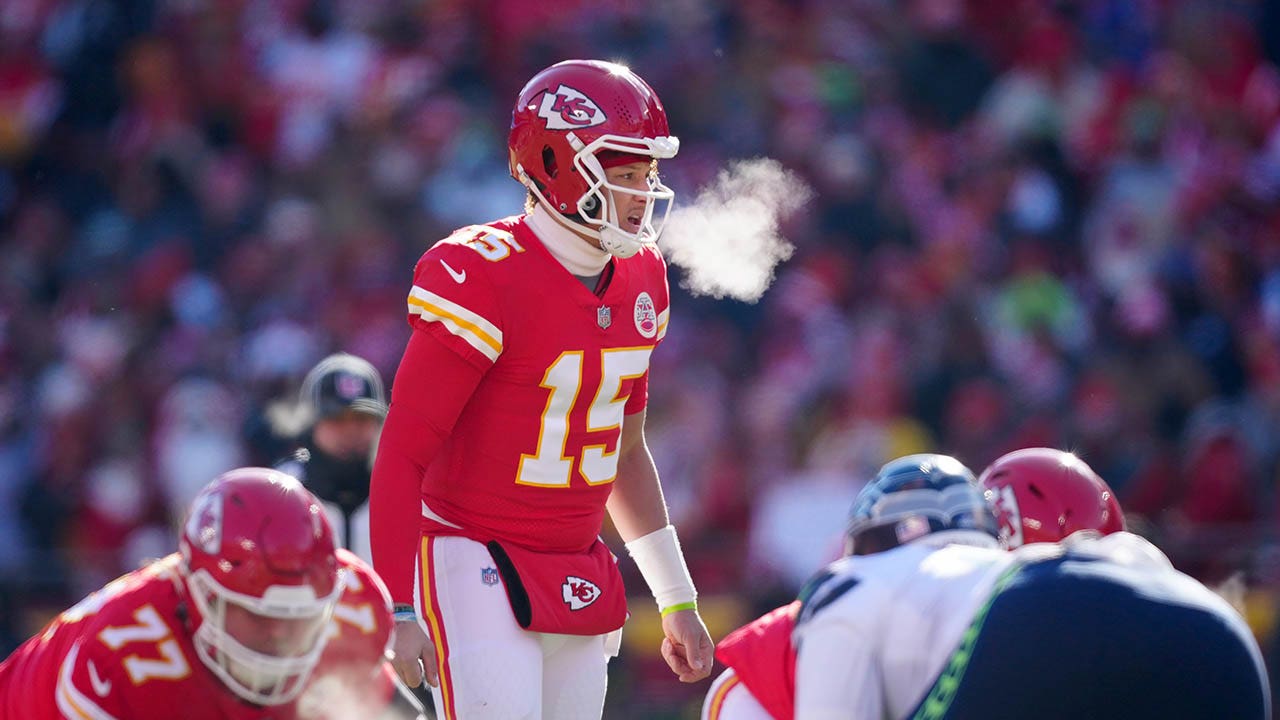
(204, 524)
(569, 109)
(1009, 515)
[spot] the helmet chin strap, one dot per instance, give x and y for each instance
(556, 213)
(616, 242)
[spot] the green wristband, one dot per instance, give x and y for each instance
(691, 605)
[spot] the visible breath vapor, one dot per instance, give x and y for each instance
(727, 241)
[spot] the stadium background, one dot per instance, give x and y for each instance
(1035, 223)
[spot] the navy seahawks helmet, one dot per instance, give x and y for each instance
(917, 496)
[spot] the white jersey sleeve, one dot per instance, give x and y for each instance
(729, 699)
(876, 630)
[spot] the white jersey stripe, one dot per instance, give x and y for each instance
(73, 703)
(481, 334)
(663, 317)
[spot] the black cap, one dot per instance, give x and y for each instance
(343, 382)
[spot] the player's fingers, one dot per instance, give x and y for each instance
(702, 658)
(430, 668)
(410, 671)
(676, 657)
(696, 647)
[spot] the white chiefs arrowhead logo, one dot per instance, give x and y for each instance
(1010, 516)
(579, 593)
(569, 109)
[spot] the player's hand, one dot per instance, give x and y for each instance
(413, 656)
(687, 647)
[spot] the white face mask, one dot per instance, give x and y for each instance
(594, 207)
(263, 649)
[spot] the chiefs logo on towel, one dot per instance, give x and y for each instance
(579, 593)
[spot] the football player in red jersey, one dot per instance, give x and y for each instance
(1039, 495)
(258, 616)
(517, 418)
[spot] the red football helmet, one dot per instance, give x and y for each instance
(1044, 495)
(259, 561)
(571, 117)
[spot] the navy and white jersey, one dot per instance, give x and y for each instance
(1095, 627)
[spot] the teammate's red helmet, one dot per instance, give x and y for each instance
(260, 564)
(1044, 495)
(573, 120)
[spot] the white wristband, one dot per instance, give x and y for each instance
(662, 564)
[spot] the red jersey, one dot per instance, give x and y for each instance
(533, 454)
(125, 653)
(762, 656)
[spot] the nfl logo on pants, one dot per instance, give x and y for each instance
(489, 576)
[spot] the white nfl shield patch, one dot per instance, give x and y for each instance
(604, 318)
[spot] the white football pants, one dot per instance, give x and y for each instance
(489, 666)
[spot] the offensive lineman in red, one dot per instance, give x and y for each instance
(257, 617)
(517, 418)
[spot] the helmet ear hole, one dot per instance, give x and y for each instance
(549, 162)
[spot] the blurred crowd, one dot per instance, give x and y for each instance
(1034, 223)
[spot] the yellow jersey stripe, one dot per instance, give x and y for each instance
(431, 614)
(722, 692)
(475, 330)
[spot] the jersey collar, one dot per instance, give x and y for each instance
(576, 255)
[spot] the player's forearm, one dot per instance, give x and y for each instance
(395, 501)
(636, 505)
(639, 512)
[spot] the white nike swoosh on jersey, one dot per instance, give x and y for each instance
(100, 686)
(459, 277)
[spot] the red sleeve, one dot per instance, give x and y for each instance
(454, 299)
(431, 387)
(762, 655)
